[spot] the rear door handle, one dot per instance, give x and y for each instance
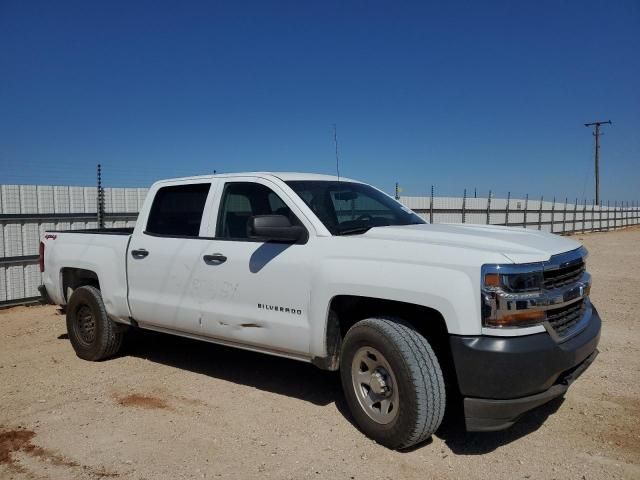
(139, 253)
(215, 259)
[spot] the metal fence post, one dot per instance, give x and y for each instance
(489, 208)
(69, 203)
(600, 216)
(21, 237)
(564, 215)
(540, 213)
(575, 215)
(621, 212)
(526, 205)
(608, 211)
(553, 213)
(431, 207)
(506, 213)
(584, 213)
(593, 216)
(626, 214)
(464, 205)
(100, 206)
(615, 214)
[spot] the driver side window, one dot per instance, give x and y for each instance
(242, 200)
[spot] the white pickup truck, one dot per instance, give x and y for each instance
(335, 272)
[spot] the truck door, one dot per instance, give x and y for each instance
(251, 291)
(162, 258)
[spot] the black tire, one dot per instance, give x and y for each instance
(421, 395)
(94, 336)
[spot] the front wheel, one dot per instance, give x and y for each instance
(392, 382)
(94, 336)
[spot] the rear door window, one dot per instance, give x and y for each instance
(177, 210)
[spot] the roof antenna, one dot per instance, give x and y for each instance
(335, 141)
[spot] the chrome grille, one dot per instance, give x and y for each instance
(563, 319)
(565, 275)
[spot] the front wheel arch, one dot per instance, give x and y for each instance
(346, 310)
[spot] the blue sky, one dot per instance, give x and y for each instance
(486, 95)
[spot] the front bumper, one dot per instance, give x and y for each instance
(501, 378)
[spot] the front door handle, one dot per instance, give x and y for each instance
(215, 259)
(139, 253)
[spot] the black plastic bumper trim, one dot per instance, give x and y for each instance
(504, 368)
(487, 415)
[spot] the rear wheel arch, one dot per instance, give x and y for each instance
(73, 278)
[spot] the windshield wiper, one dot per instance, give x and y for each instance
(353, 231)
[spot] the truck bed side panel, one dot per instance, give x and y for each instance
(102, 254)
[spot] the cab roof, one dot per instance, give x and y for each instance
(284, 176)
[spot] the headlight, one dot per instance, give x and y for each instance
(553, 293)
(504, 288)
(514, 282)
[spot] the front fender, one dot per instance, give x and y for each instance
(452, 291)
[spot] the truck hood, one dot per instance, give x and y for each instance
(517, 244)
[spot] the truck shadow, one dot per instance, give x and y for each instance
(308, 383)
(265, 372)
(461, 442)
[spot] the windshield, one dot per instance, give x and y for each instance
(350, 208)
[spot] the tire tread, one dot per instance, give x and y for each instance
(424, 370)
(111, 339)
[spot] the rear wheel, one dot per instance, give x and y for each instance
(94, 336)
(392, 382)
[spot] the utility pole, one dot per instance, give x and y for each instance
(597, 134)
(335, 141)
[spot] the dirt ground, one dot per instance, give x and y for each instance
(171, 408)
